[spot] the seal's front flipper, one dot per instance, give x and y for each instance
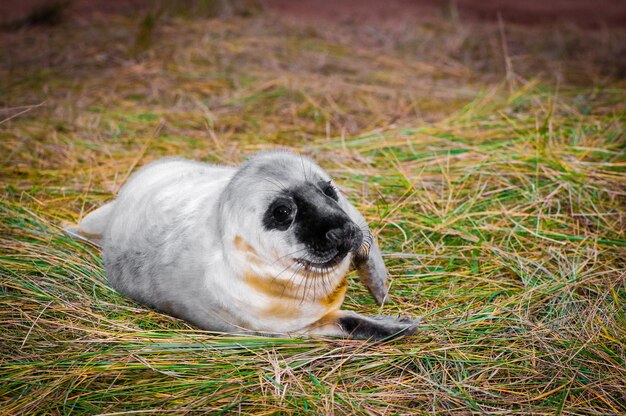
(352, 325)
(372, 271)
(368, 261)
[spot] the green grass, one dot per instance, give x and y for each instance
(498, 202)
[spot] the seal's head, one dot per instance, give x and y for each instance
(285, 210)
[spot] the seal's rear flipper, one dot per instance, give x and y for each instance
(92, 227)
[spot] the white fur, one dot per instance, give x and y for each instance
(173, 215)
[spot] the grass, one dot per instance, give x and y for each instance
(496, 183)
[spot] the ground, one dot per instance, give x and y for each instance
(488, 157)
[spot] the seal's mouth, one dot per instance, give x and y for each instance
(323, 265)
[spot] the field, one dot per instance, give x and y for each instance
(489, 159)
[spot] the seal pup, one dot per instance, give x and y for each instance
(261, 249)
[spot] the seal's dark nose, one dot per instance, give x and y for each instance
(346, 238)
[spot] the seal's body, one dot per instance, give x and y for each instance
(263, 249)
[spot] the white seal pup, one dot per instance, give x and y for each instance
(261, 249)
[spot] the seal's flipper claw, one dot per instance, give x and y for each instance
(372, 272)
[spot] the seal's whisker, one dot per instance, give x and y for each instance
(326, 284)
(314, 284)
(307, 275)
(281, 272)
(299, 267)
(303, 169)
(288, 254)
(304, 275)
(327, 287)
(291, 282)
(310, 279)
(273, 181)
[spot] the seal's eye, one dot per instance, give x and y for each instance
(330, 191)
(281, 213)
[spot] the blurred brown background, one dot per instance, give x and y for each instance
(584, 13)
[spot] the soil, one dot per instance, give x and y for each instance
(584, 13)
